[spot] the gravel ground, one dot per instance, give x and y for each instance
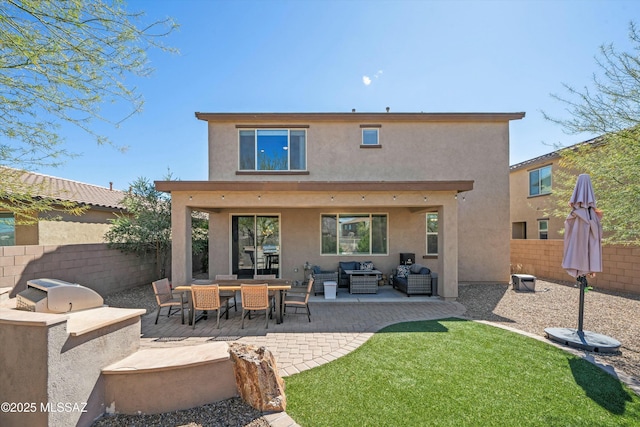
(228, 413)
(552, 305)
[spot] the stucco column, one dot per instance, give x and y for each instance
(448, 249)
(181, 261)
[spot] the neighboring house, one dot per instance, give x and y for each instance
(330, 187)
(531, 186)
(58, 228)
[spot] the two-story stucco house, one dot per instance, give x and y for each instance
(531, 186)
(285, 189)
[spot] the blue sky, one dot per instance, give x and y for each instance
(332, 56)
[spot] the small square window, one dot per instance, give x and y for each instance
(543, 229)
(369, 136)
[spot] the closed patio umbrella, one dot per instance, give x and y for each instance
(583, 257)
(582, 232)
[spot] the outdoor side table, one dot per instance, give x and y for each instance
(330, 288)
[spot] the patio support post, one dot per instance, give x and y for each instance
(448, 249)
(181, 257)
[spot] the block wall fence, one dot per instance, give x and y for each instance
(543, 259)
(92, 265)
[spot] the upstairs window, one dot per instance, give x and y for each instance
(370, 136)
(273, 150)
(540, 181)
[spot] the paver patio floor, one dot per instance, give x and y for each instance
(336, 327)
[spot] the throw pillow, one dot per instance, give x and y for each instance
(317, 269)
(366, 265)
(415, 268)
(403, 271)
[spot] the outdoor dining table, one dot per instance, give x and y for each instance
(277, 285)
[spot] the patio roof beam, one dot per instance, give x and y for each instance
(343, 186)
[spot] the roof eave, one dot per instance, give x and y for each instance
(396, 117)
(313, 186)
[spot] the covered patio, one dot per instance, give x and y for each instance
(297, 208)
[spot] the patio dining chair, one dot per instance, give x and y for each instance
(207, 298)
(228, 294)
(299, 300)
(255, 297)
(272, 294)
(165, 298)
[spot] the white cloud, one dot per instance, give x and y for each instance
(368, 80)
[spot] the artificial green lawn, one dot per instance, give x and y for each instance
(458, 373)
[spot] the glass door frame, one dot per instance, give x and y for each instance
(264, 255)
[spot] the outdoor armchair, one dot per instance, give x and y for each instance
(415, 279)
(320, 277)
(165, 298)
(272, 294)
(298, 300)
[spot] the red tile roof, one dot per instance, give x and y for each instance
(66, 189)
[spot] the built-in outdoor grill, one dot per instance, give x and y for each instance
(56, 296)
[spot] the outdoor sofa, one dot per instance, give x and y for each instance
(415, 279)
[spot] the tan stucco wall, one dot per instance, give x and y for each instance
(65, 229)
(87, 228)
(530, 209)
(475, 237)
(44, 363)
(25, 346)
(300, 241)
(409, 151)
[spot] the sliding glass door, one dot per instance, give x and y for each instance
(255, 245)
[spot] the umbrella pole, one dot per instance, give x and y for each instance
(583, 285)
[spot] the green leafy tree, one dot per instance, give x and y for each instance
(364, 237)
(146, 226)
(60, 61)
(610, 108)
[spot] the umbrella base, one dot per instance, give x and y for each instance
(585, 340)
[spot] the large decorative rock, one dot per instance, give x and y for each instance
(257, 377)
